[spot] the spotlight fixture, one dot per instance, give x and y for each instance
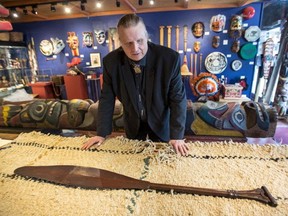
(176, 1)
(25, 6)
(117, 3)
(65, 2)
(25, 11)
(140, 2)
(151, 2)
(34, 9)
(82, 6)
(53, 8)
(98, 4)
(14, 13)
(67, 10)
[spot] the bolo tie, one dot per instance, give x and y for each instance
(136, 67)
(138, 71)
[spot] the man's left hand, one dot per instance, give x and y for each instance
(180, 147)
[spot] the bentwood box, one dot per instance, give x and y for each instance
(232, 91)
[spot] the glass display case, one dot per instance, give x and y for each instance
(14, 64)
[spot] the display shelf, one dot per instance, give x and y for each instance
(12, 44)
(14, 63)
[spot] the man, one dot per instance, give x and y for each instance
(146, 79)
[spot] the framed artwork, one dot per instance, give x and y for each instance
(95, 59)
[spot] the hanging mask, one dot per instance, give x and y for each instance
(87, 39)
(197, 46)
(46, 47)
(73, 43)
(235, 46)
(236, 23)
(198, 29)
(215, 41)
(217, 23)
(58, 45)
(100, 36)
(235, 34)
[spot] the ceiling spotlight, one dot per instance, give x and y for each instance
(140, 2)
(82, 6)
(67, 10)
(14, 13)
(53, 8)
(65, 2)
(34, 9)
(25, 11)
(98, 4)
(117, 3)
(176, 1)
(151, 2)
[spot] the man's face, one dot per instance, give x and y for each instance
(134, 41)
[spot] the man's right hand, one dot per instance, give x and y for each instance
(96, 140)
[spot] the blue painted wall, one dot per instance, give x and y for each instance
(45, 30)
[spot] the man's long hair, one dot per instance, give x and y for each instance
(129, 20)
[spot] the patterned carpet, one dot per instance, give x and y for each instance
(217, 165)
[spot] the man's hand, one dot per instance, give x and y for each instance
(96, 140)
(180, 147)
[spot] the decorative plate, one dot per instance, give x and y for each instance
(248, 51)
(236, 65)
(252, 33)
(216, 62)
(46, 47)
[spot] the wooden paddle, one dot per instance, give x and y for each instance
(169, 30)
(92, 178)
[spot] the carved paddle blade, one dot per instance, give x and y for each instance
(85, 177)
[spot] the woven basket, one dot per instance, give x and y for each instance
(16, 36)
(4, 36)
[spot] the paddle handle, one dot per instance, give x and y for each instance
(260, 194)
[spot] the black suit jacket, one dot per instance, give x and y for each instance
(165, 93)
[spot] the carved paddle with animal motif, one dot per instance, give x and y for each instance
(92, 178)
